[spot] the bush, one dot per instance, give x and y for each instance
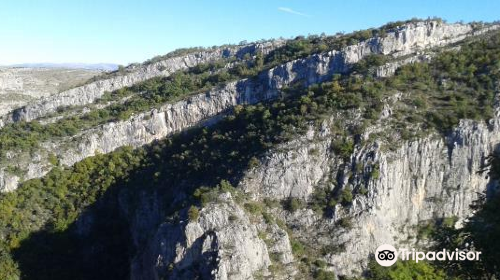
(346, 223)
(346, 196)
(344, 147)
(298, 248)
(53, 159)
(193, 214)
(324, 275)
(268, 218)
(253, 207)
(293, 204)
(375, 174)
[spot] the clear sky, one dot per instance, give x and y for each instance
(125, 31)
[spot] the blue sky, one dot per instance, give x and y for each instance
(125, 31)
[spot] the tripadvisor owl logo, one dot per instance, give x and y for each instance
(387, 255)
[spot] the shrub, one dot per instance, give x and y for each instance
(271, 203)
(268, 218)
(346, 196)
(298, 248)
(345, 223)
(324, 275)
(193, 214)
(375, 174)
(253, 207)
(344, 147)
(53, 159)
(293, 204)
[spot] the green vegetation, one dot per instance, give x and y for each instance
(53, 159)
(346, 196)
(41, 222)
(253, 207)
(407, 270)
(293, 204)
(375, 173)
(298, 248)
(206, 195)
(345, 223)
(343, 147)
(193, 214)
(370, 62)
(35, 221)
(324, 275)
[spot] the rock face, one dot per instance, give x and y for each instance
(427, 179)
(88, 93)
(146, 127)
(422, 180)
(221, 244)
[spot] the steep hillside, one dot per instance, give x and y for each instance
(276, 160)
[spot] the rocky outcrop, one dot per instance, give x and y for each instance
(390, 68)
(221, 244)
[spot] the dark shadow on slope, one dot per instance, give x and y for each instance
(206, 261)
(101, 250)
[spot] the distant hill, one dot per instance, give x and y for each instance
(96, 66)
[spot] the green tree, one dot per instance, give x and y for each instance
(405, 270)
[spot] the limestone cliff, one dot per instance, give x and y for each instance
(146, 127)
(425, 179)
(88, 93)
